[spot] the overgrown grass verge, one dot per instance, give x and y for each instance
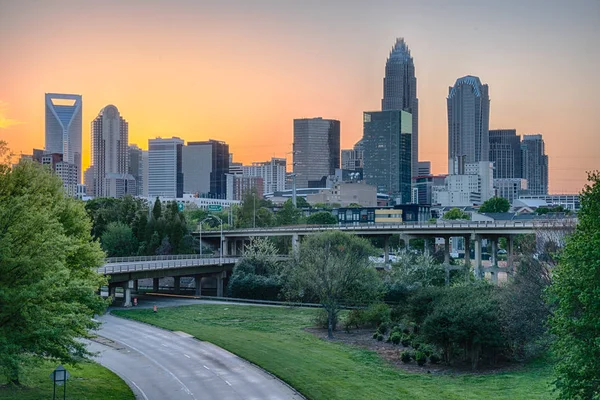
(88, 381)
(273, 338)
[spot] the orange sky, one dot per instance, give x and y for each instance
(241, 71)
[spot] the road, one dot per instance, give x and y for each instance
(162, 365)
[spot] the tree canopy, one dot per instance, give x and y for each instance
(288, 214)
(48, 264)
(456, 213)
(495, 205)
(334, 269)
(321, 218)
(575, 294)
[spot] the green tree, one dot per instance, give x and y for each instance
(354, 205)
(321, 218)
(157, 209)
(48, 263)
(334, 268)
(254, 211)
(495, 205)
(575, 294)
(288, 215)
(118, 240)
(302, 203)
(456, 213)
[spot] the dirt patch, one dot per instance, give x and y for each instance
(390, 352)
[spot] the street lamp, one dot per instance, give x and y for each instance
(221, 245)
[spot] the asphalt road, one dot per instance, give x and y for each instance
(162, 365)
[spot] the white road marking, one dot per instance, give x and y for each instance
(206, 367)
(140, 389)
(228, 383)
(187, 356)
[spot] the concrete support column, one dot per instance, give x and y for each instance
(176, 284)
(426, 249)
(127, 286)
(467, 239)
(295, 243)
(112, 291)
(219, 285)
(510, 257)
(447, 259)
(225, 246)
(477, 242)
(135, 285)
(198, 284)
(386, 250)
(494, 260)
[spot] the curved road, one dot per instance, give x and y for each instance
(164, 365)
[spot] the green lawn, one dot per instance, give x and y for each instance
(273, 338)
(88, 381)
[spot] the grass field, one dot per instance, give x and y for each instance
(273, 338)
(88, 381)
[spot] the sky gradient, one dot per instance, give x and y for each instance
(240, 71)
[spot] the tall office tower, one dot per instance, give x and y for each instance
(165, 174)
(468, 122)
(110, 139)
(144, 173)
(400, 92)
(88, 181)
(424, 168)
(387, 152)
(272, 172)
(505, 153)
(136, 168)
(316, 151)
(205, 168)
(63, 128)
(535, 164)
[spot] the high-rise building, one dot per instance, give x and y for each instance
(205, 168)
(468, 122)
(110, 157)
(471, 186)
(63, 128)
(316, 150)
(273, 173)
(242, 185)
(424, 168)
(136, 167)
(387, 152)
(505, 153)
(88, 181)
(165, 174)
(535, 164)
(400, 92)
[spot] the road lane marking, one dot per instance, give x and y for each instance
(187, 356)
(140, 389)
(228, 383)
(206, 367)
(163, 345)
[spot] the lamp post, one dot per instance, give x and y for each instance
(221, 245)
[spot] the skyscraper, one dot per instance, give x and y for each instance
(387, 152)
(205, 168)
(272, 172)
(535, 164)
(63, 128)
(468, 122)
(136, 167)
(400, 92)
(505, 153)
(165, 174)
(110, 137)
(316, 150)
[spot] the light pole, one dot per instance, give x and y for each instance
(221, 245)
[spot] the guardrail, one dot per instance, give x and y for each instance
(165, 264)
(112, 260)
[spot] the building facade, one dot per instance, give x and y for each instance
(316, 150)
(63, 132)
(136, 167)
(387, 162)
(472, 186)
(423, 187)
(243, 185)
(205, 167)
(468, 106)
(110, 157)
(165, 173)
(505, 153)
(510, 188)
(535, 164)
(400, 92)
(273, 173)
(344, 193)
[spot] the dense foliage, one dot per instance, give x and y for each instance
(321, 218)
(456, 213)
(48, 263)
(495, 205)
(575, 293)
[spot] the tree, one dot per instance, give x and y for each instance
(288, 215)
(495, 205)
(157, 209)
(456, 213)
(413, 271)
(48, 264)
(302, 203)
(321, 218)
(574, 294)
(118, 240)
(254, 211)
(334, 268)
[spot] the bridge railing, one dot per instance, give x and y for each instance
(165, 264)
(112, 260)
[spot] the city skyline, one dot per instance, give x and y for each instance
(300, 67)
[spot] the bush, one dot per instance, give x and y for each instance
(420, 358)
(355, 318)
(322, 320)
(251, 286)
(383, 328)
(405, 340)
(426, 349)
(377, 314)
(379, 337)
(375, 335)
(395, 337)
(434, 358)
(406, 356)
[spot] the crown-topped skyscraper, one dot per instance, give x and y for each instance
(400, 92)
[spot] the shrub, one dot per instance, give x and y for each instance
(375, 335)
(322, 320)
(379, 337)
(383, 328)
(395, 337)
(420, 358)
(405, 340)
(406, 356)
(355, 318)
(377, 314)
(434, 358)
(426, 349)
